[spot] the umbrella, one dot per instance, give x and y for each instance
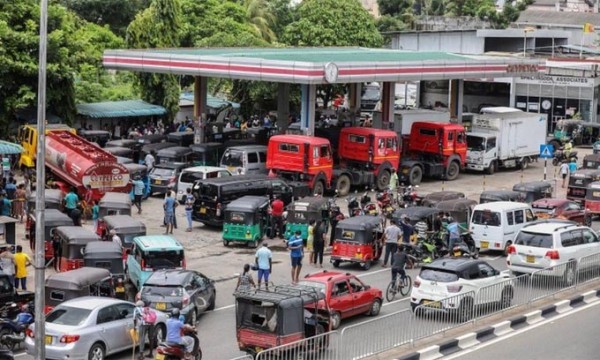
(8, 148)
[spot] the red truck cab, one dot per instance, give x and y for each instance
(301, 158)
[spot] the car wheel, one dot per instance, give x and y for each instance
(375, 308)
(506, 298)
(453, 171)
(211, 302)
(159, 334)
(336, 320)
(570, 274)
(342, 185)
(465, 310)
(366, 265)
(336, 264)
(415, 176)
(193, 317)
(96, 352)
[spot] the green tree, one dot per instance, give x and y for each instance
(260, 16)
(157, 27)
(394, 7)
(117, 14)
(284, 13)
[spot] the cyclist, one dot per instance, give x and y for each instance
(399, 261)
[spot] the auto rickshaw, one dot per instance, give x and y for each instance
(149, 148)
(120, 151)
(225, 134)
(53, 218)
(207, 154)
(174, 154)
(151, 139)
(246, 220)
(53, 200)
(591, 161)
(282, 315)
(459, 209)
(357, 240)
(126, 228)
(141, 171)
(181, 138)
(301, 212)
(592, 199)
(579, 181)
(85, 281)
(435, 197)
(416, 214)
(534, 190)
(105, 255)
(73, 240)
(99, 137)
(124, 160)
(500, 195)
(126, 143)
(113, 203)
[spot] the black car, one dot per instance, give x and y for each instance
(187, 290)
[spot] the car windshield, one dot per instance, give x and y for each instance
(233, 158)
(534, 239)
(191, 176)
(164, 259)
(486, 217)
(237, 217)
(163, 172)
(66, 315)
(475, 143)
(371, 94)
(438, 275)
(162, 290)
(317, 285)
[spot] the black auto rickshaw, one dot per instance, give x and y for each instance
(105, 255)
(282, 315)
(207, 154)
(52, 218)
(459, 209)
(85, 281)
(500, 195)
(151, 139)
(72, 240)
(174, 154)
(591, 161)
(125, 226)
(357, 240)
(302, 211)
(416, 214)
(53, 200)
(578, 183)
(100, 137)
(225, 134)
(592, 199)
(126, 143)
(181, 138)
(246, 220)
(534, 190)
(435, 197)
(120, 151)
(149, 148)
(113, 203)
(124, 160)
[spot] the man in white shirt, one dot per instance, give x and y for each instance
(149, 160)
(115, 238)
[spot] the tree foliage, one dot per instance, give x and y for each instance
(157, 26)
(394, 7)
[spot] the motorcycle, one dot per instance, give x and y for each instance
(465, 247)
(384, 201)
(408, 197)
(560, 156)
(169, 351)
(354, 208)
(12, 332)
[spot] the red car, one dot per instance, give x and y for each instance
(561, 209)
(346, 295)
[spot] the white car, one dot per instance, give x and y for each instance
(90, 327)
(551, 243)
(189, 176)
(458, 286)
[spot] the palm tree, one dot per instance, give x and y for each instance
(261, 18)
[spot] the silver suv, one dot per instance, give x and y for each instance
(550, 243)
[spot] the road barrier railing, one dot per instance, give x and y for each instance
(320, 347)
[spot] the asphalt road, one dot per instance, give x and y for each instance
(572, 336)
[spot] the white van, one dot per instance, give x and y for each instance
(188, 177)
(245, 159)
(494, 225)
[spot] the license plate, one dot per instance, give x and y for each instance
(161, 306)
(431, 304)
(258, 349)
(485, 244)
(157, 181)
(457, 253)
(120, 289)
(530, 258)
(202, 210)
(48, 339)
(159, 357)
(248, 236)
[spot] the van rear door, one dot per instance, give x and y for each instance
(487, 229)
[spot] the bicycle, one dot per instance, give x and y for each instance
(400, 285)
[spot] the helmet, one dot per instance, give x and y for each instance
(175, 312)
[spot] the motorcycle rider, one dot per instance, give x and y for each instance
(24, 317)
(454, 230)
(175, 327)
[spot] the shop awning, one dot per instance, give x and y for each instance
(120, 109)
(8, 148)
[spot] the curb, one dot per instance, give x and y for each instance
(491, 332)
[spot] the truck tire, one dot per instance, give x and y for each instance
(383, 180)
(524, 163)
(319, 188)
(415, 176)
(491, 169)
(342, 185)
(452, 171)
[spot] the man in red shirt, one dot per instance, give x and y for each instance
(277, 217)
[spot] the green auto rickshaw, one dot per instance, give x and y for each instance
(246, 220)
(301, 212)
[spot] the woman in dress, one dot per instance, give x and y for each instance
(19, 203)
(245, 281)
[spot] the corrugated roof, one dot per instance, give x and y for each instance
(7, 148)
(558, 17)
(119, 109)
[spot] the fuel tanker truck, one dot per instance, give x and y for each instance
(78, 163)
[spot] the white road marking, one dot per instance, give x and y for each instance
(224, 308)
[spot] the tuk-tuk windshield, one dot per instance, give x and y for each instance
(238, 217)
(301, 216)
(579, 180)
(486, 217)
(353, 235)
(593, 194)
(164, 259)
(163, 171)
(128, 238)
(233, 158)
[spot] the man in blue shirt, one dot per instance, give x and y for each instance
(175, 327)
(454, 233)
(71, 201)
(169, 206)
(138, 192)
(295, 244)
(264, 263)
(6, 204)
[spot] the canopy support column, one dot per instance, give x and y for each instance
(387, 104)
(200, 107)
(283, 105)
(456, 99)
(307, 115)
(354, 95)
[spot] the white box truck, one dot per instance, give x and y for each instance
(505, 140)
(403, 119)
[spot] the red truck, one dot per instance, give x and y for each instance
(433, 150)
(366, 156)
(301, 158)
(77, 162)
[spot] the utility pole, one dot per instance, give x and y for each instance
(40, 202)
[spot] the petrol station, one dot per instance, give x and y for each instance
(310, 67)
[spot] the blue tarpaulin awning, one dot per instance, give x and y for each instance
(8, 148)
(120, 109)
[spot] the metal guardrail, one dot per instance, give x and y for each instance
(407, 326)
(244, 357)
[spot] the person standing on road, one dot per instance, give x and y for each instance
(277, 207)
(310, 240)
(115, 238)
(264, 263)
(295, 244)
(572, 166)
(95, 214)
(56, 249)
(391, 237)
(21, 260)
(393, 180)
(169, 206)
(564, 171)
(138, 192)
(149, 160)
(6, 204)
(7, 264)
(245, 281)
(319, 243)
(144, 318)
(71, 201)
(189, 207)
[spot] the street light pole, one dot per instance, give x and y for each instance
(40, 202)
